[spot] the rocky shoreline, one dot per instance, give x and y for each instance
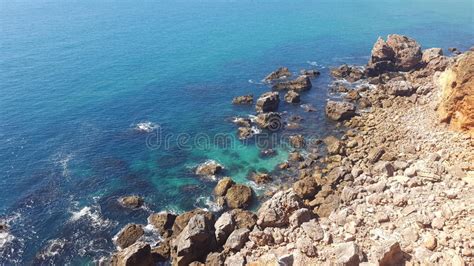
(396, 188)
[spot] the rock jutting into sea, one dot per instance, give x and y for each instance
(392, 186)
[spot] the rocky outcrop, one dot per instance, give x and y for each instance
(292, 97)
(340, 111)
(209, 169)
(129, 235)
(223, 185)
(238, 196)
(268, 102)
(301, 83)
(182, 220)
(456, 105)
(245, 99)
(261, 178)
(280, 73)
(349, 73)
(312, 73)
(163, 222)
(271, 121)
(277, 211)
(398, 53)
(138, 254)
(132, 202)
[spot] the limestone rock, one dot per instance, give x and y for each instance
(282, 72)
(292, 97)
(301, 83)
(162, 221)
(238, 196)
(297, 141)
(138, 254)
(306, 188)
(209, 168)
(334, 145)
(223, 185)
(131, 201)
(237, 239)
(313, 230)
(276, 211)
(268, 102)
(224, 227)
(340, 111)
(245, 99)
(346, 253)
(129, 235)
(271, 121)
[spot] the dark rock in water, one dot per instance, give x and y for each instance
(223, 185)
(129, 235)
(243, 122)
(398, 53)
(261, 178)
(349, 73)
(340, 111)
(295, 118)
(268, 102)
(244, 218)
(292, 97)
(308, 107)
(237, 239)
(195, 241)
(302, 83)
(182, 220)
(267, 153)
(138, 254)
(163, 222)
(131, 201)
(3, 227)
(280, 73)
(244, 132)
(338, 87)
(238, 196)
(297, 141)
(454, 50)
(245, 99)
(271, 121)
(209, 168)
(310, 73)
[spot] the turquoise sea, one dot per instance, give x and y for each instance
(76, 77)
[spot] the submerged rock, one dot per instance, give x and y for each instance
(282, 72)
(131, 201)
(245, 99)
(268, 102)
(340, 111)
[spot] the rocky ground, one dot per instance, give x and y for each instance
(397, 187)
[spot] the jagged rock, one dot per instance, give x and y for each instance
(209, 168)
(238, 196)
(387, 252)
(301, 83)
(138, 254)
(268, 102)
(347, 254)
(280, 73)
(340, 111)
(375, 154)
(295, 157)
(300, 216)
(182, 220)
(223, 185)
(270, 121)
(313, 230)
(457, 94)
(237, 239)
(276, 211)
(292, 97)
(224, 227)
(310, 73)
(350, 73)
(162, 221)
(245, 99)
(129, 235)
(195, 241)
(431, 54)
(399, 88)
(244, 132)
(381, 59)
(306, 188)
(131, 201)
(244, 218)
(306, 246)
(334, 145)
(261, 178)
(297, 141)
(235, 260)
(215, 259)
(163, 251)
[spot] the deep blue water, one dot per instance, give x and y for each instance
(77, 76)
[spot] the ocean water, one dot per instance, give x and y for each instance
(77, 76)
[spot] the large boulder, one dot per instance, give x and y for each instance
(223, 185)
(132, 202)
(138, 254)
(456, 106)
(182, 220)
(238, 196)
(224, 227)
(237, 239)
(276, 211)
(245, 99)
(301, 83)
(340, 111)
(398, 53)
(209, 168)
(268, 102)
(129, 235)
(271, 121)
(334, 145)
(244, 218)
(282, 72)
(306, 188)
(162, 221)
(195, 241)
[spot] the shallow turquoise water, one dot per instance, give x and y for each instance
(76, 76)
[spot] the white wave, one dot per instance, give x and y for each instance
(93, 214)
(315, 64)
(53, 248)
(5, 237)
(146, 126)
(256, 130)
(151, 235)
(252, 118)
(208, 204)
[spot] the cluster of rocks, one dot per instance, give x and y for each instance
(395, 188)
